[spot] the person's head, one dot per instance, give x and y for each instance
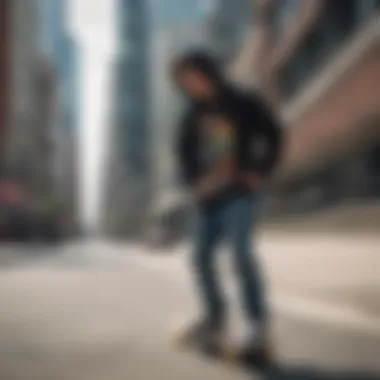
(197, 74)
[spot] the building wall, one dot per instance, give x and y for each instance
(347, 110)
(22, 152)
(46, 105)
(59, 45)
(4, 68)
(116, 176)
(59, 48)
(332, 111)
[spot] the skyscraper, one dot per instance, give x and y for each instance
(131, 149)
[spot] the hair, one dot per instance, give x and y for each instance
(200, 61)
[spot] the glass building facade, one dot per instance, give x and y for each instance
(58, 45)
(132, 99)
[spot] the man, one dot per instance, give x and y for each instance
(228, 146)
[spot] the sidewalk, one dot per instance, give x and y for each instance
(321, 270)
(338, 271)
(104, 311)
(115, 324)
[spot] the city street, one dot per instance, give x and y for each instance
(104, 311)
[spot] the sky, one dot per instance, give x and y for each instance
(92, 24)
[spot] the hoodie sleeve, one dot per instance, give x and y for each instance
(264, 146)
(185, 151)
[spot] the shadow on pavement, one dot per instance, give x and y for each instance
(298, 373)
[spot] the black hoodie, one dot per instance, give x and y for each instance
(255, 126)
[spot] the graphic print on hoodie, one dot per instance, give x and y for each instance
(218, 148)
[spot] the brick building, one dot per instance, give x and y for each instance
(323, 73)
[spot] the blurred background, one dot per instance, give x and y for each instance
(87, 123)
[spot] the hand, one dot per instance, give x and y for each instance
(252, 181)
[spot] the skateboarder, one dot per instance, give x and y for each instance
(228, 145)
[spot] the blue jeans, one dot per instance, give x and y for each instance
(233, 219)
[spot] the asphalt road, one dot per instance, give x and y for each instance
(105, 311)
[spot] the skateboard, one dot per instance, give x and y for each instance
(228, 354)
